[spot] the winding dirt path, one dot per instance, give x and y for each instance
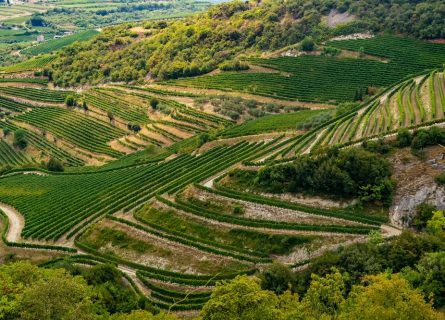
(16, 223)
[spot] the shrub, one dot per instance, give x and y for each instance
(20, 140)
(54, 165)
(307, 44)
(440, 179)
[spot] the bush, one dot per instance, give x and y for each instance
(233, 66)
(70, 101)
(404, 138)
(307, 44)
(154, 103)
(54, 165)
(20, 139)
(440, 179)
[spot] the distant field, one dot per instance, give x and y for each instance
(320, 78)
(280, 122)
(28, 65)
(56, 44)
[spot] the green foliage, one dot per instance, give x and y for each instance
(277, 278)
(424, 212)
(70, 101)
(307, 44)
(348, 173)
(241, 299)
(29, 292)
(154, 103)
(235, 65)
(437, 222)
(429, 276)
(404, 138)
(54, 165)
(396, 254)
(440, 178)
(20, 139)
(377, 297)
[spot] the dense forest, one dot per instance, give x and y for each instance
(197, 45)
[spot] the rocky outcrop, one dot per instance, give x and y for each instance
(404, 210)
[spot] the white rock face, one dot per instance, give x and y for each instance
(403, 211)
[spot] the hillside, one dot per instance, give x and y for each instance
(259, 160)
(197, 45)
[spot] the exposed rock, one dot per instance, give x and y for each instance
(404, 210)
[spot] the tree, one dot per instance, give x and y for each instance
(386, 296)
(134, 127)
(429, 276)
(20, 139)
(242, 299)
(154, 103)
(70, 101)
(85, 106)
(143, 315)
(307, 44)
(437, 222)
(28, 292)
(277, 278)
(404, 138)
(55, 165)
(58, 295)
(110, 116)
(325, 294)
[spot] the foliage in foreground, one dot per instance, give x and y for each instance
(382, 296)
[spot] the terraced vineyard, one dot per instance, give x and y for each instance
(56, 44)
(32, 94)
(10, 156)
(413, 102)
(122, 189)
(44, 146)
(339, 77)
(29, 65)
(106, 101)
(75, 127)
(272, 123)
(158, 206)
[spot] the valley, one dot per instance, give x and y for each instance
(318, 153)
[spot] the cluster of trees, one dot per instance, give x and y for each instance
(69, 292)
(346, 173)
(382, 296)
(199, 44)
(420, 139)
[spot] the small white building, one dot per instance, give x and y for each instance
(40, 38)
